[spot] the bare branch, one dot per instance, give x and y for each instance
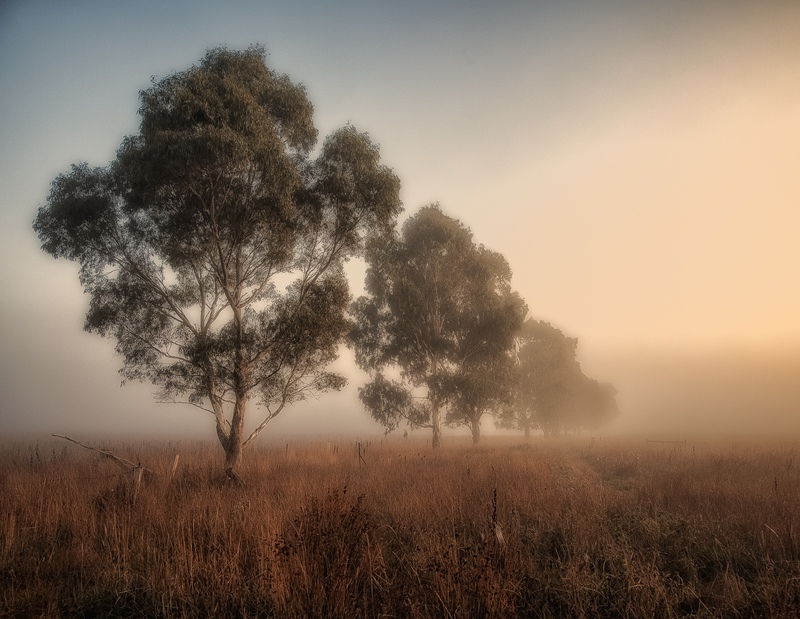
(125, 465)
(263, 424)
(190, 403)
(152, 346)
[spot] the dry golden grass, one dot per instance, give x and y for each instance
(556, 528)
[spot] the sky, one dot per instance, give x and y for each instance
(635, 161)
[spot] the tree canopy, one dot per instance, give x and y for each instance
(550, 391)
(492, 315)
(212, 247)
(436, 325)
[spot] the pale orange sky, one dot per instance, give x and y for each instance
(636, 163)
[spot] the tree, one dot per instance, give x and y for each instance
(551, 392)
(184, 239)
(545, 376)
(592, 404)
(437, 308)
(482, 381)
(482, 386)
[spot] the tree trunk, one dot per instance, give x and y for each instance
(233, 458)
(527, 428)
(436, 440)
(241, 371)
(475, 424)
(219, 413)
(436, 423)
(233, 451)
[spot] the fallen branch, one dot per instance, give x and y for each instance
(125, 465)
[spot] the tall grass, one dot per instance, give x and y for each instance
(554, 528)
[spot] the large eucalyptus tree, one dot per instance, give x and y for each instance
(212, 247)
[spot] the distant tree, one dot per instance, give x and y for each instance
(482, 378)
(591, 405)
(551, 392)
(184, 239)
(435, 302)
(545, 376)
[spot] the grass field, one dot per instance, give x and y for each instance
(554, 528)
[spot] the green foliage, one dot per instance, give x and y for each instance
(183, 238)
(390, 402)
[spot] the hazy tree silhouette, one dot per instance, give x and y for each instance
(590, 405)
(545, 371)
(550, 391)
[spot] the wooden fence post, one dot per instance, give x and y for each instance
(137, 482)
(174, 467)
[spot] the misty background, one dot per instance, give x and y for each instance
(635, 162)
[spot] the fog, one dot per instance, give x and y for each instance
(725, 390)
(636, 163)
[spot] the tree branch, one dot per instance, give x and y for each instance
(125, 465)
(264, 423)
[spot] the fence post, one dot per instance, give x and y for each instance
(137, 481)
(174, 467)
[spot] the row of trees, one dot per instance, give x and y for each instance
(445, 340)
(212, 250)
